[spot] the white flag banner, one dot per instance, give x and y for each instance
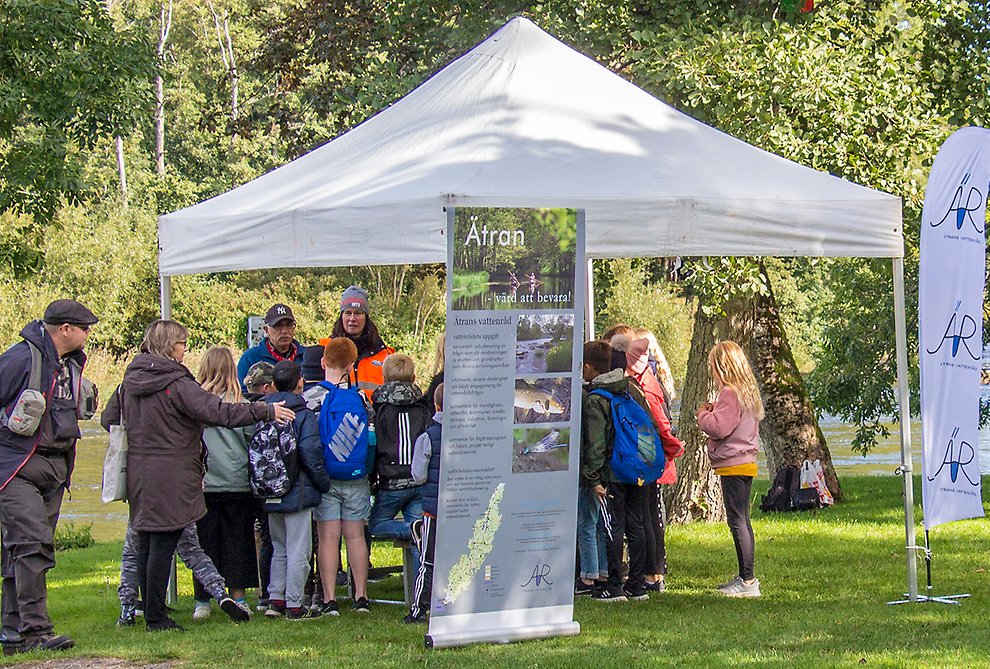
(950, 316)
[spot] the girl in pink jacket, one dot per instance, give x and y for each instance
(732, 424)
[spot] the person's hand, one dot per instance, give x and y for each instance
(706, 407)
(283, 414)
(600, 490)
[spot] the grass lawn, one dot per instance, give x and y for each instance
(826, 579)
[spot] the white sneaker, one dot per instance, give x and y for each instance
(202, 611)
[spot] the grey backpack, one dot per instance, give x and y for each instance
(31, 403)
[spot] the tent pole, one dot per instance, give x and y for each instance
(172, 593)
(589, 303)
(903, 399)
(166, 297)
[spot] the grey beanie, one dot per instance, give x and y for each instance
(355, 297)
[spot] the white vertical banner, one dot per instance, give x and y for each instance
(504, 565)
(950, 317)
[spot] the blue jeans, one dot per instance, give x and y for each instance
(591, 546)
(388, 503)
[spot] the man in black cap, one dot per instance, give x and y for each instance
(279, 342)
(36, 462)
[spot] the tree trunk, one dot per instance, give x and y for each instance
(697, 495)
(165, 25)
(121, 170)
(790, 433)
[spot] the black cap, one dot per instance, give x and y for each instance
(68, 311)
(279, 312)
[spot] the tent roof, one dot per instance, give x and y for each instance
(522, 120)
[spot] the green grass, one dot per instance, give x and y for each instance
(826, 579)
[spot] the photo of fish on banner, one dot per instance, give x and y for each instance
(540, 450)
(544, 343)
(542, 401)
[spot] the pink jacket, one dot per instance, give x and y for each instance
(733, 434)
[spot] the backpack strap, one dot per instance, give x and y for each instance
(34, 381)
(601, 392)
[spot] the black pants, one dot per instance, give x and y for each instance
(154, 553)
(226, 534)
(735, 493)
(656, 548)
(29, 508)
(423, 588)
(623, 513)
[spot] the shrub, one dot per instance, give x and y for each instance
(68, 536)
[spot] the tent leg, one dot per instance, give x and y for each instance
(903, 399)
(166, 297)
(589, 303)
(172, 592)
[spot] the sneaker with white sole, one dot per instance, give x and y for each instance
(202, 611)
(609, 594)
(739, 588)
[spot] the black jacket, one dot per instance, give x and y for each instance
(15, 372)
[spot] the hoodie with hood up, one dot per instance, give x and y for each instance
(165, 411)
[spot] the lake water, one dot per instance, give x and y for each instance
(110, 520)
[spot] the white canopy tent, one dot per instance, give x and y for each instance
(522, 120)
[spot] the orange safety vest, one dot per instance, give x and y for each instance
(367, 373)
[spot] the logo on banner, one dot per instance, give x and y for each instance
(539, 576)
(961, 208)
(954, 459)
(958, 332)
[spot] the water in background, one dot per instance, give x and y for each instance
(110, 520)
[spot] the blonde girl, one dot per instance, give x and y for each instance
(227, 531)
(732, 424)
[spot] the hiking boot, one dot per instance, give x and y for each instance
(12, 642)
(582, 589)
(46, 641)
(360, 605)
(202, 611)
(609, 594)
(636, 595)
(420, 619)
(739, 588)
(276, 608)
(167, 625)
(128, 616)
(296, 613)
(237, 612)
(329, 608)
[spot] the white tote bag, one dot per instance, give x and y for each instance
(115, 462)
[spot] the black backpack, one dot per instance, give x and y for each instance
(784, 490)
(273, 459)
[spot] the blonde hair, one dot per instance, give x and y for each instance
(399, 367)
(439, 353)
(730, 367)
(663, 367)
(218, 374)
(162, 336)
(619, 329)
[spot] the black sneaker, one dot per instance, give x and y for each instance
(636, 595)
(329, 608)
(420, 619)
(167, 625)
(341, 579)
(360, 605)
(237, 613)
(296, 613)
(47, 641)
(128, 616)
(276, 607)
(582, 589)
(656, 586)
(609, 594)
